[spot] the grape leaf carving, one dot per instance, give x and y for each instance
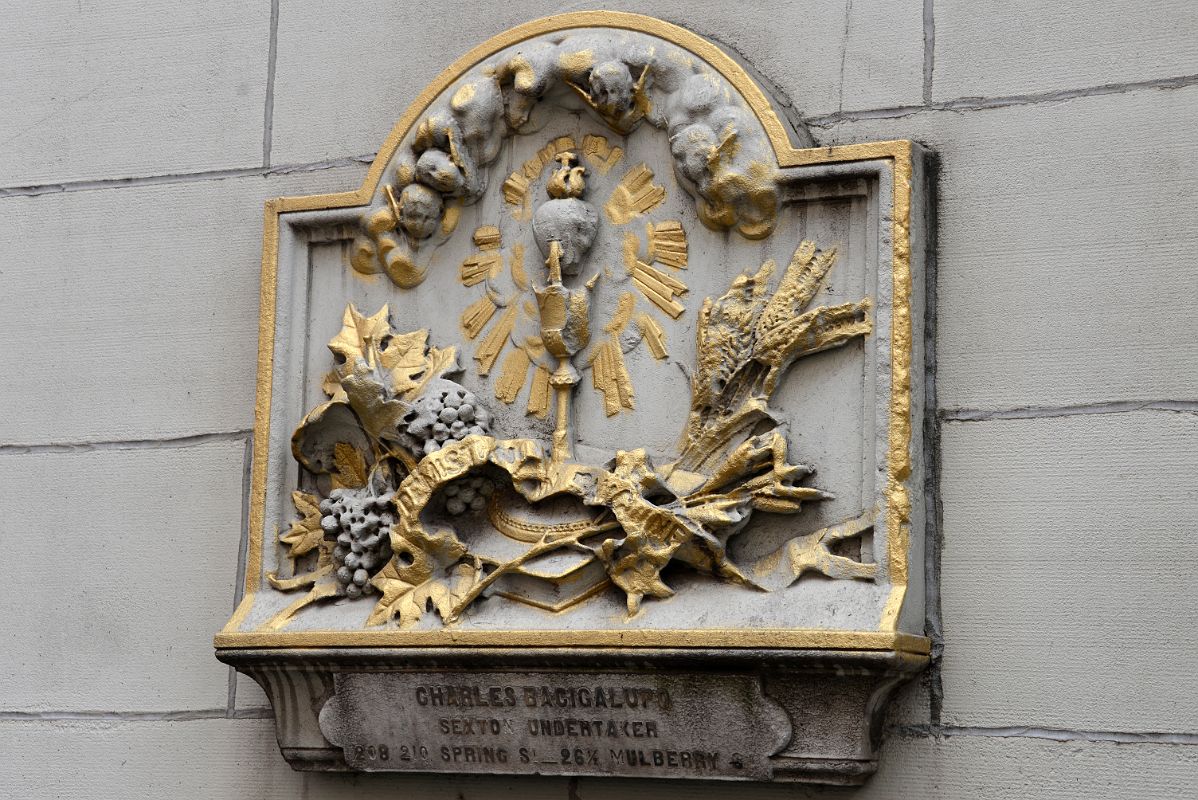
(350, 468)
(410, 601)
(305, 534)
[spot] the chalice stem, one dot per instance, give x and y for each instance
(563, 386)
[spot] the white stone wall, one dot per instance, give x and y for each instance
(139, 138)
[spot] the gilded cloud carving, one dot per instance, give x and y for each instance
(720, 153)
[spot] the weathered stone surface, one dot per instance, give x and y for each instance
(1065, 589)
(825, 57)
(1028, 46)
(152, 323)
(553, 723)
(125, 582)
(131, 88)
(750, 715)
(1061, 248)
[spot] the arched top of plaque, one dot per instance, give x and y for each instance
(594, 319)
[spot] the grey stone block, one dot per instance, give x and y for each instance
(122, 576)
(1065, 585)
(121, 89)
(989, 49)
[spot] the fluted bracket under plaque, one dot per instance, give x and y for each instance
(588, 436)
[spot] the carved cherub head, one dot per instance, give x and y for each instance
(612, 88)
(435, 168)
(419, 210)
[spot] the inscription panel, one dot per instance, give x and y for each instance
(551, 723)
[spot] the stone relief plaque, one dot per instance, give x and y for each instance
(588, 433)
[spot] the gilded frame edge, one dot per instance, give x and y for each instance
(899, 457)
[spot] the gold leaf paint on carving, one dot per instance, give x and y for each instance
(610, 376)
(410, 362)
(636, 194)
(561, 144)
(895, 154)
(747, 339)
(393, 205)
(462, 96)
(516, 264)
(655, 337)
(600, 154)
(492, 344)
(627, 121)
(659, 288)
(517, 187)
(915, 647)
(360, 335)
(530, 531)
(538, 395)
(392, 588)
(437, 362)
(409, 602)
(565, 604)
(330, 384)
(533, 166)
(487, 237)
(476, 316)
(450, 216)
(630, 251)
(515, 191)
(299, 581)
(404, 272)
(322, 589)
(305, 534)
(350, 464)
(667, 243)
(512, 376)
(478, 267)
(622, 315)
(810, 553)
(898, 463)
(577, 62)
(580, 313)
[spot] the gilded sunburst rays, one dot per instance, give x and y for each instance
(651, 263)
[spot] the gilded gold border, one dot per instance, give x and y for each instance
(899, 453)
(810, 639)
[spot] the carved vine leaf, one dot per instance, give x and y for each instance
(634, 563)
(305, 533)
(379, 375)
(409, 601)
(331, 386)
(360, 336)
(370, 351)
(403, 359)
(350, 471)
